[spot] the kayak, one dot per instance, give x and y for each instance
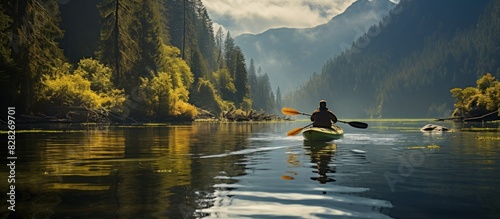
(317, 134)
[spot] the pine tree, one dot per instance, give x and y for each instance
(119, 47)
(176, 21)
(191, 31)
(206, 41)
(9, 74)
(219, 45)
(5, 34)
(35, 49)
(264, 98)
(152, 36)
(229, 53)
(267, 96)
(252, 79)
(240, 76)
(278, 104)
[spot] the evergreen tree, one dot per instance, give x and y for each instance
(278, 104)
(240, 76)
(252, 79)
(206, 40)
(35, 49)
(119, 47)
(9, 73)
(198, 66)
(191, 31)
(229, 53)
(264, 98)
(176, 21)
(219, 45)
(151, 38)
(5, 34)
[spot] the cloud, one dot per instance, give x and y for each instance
(256, 16)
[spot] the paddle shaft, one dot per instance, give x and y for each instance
(296, 131)
(306, 114)
(354, 124)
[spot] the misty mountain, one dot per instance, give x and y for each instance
(420, 52)
(291, 55)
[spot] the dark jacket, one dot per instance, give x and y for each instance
(323, 117)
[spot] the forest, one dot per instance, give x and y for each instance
(407, 65)
(124, 60)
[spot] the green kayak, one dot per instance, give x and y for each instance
(317, 134)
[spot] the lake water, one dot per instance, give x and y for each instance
(253, 170)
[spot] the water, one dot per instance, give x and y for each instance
(211, 170)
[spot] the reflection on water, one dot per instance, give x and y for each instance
(245, 170)
(296, 180)
(128, 171)
(322, 154)
(301, 193)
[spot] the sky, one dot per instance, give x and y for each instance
(257, 16)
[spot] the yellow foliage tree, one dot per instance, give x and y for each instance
(97, 73)
(156, 94)
(479, 100)
(162, 100)
(166, 93)
(74, 89)
(207, 95)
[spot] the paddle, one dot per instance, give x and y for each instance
(296, 131)
(359, 125)
(293, 112)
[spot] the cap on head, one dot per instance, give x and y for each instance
(322, 103)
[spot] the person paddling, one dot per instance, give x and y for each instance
(323, 117)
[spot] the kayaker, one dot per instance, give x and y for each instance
(323, 117)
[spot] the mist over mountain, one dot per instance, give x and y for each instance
(406, 66)
(292, 55)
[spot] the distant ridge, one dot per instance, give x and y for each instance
(291, 55)
(408, 69)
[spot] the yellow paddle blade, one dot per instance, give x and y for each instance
(290, 111)
(294, 131)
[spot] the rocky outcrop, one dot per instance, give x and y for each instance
(434, 128)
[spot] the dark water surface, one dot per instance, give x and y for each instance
(212, 170)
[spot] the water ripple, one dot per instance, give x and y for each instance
(371, 139)
(243, 204)
(244, 151)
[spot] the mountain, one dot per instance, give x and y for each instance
(291, 55)
(422, 50)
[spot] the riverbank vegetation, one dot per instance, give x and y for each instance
(147, 61)
(478, 103)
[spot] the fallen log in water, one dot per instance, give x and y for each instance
(486, 117)
(239, 115)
